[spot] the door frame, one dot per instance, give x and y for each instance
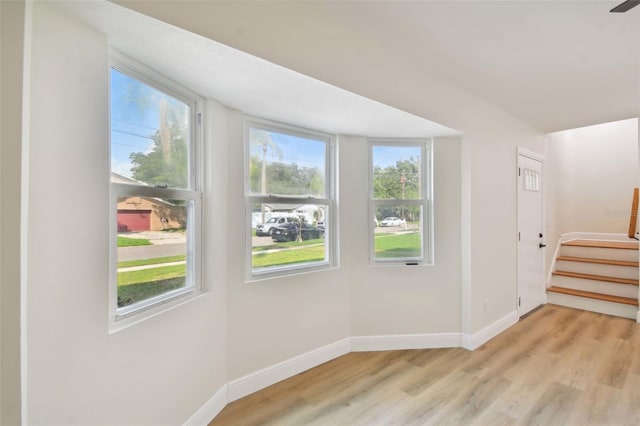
(537, 157)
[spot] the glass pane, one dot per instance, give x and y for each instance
(288, 234)
(396, 172)
(149, 135)
(282, 164)
(398, 232)
(152, 247)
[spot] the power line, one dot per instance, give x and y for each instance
(133, 134)
(135, 124)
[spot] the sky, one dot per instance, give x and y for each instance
(294, 150)
(385, 156)
(132, 123)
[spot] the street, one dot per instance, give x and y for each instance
(149, 252)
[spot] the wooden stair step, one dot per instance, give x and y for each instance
(596, 277)
(626, 245)
(592, 295)
(600, 261)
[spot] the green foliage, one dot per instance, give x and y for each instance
(129, 242)
(400, 181)
(285, 179)
(167, 163)
(388, 181)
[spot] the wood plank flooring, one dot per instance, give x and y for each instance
(559, 366)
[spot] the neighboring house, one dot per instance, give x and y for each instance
(147, 213)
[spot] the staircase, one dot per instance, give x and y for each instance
(596, 275)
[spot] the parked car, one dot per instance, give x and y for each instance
(289, 232)
(269, 226)
(392, 221)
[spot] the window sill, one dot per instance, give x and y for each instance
(143, 313)
(289, 272)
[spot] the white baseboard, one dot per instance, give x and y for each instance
(474, 341)
(638, 317)
(405, 341)
(283, 370)
(210, 409)
(261, 379)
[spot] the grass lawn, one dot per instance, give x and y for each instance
(130, 242)
(130, 294)
(288, 244)
(151, 275)
(286, 257)
(134, 286)
(397, 245)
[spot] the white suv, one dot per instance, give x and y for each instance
(268, 227)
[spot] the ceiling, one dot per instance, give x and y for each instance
(555, 65)
(245, 82)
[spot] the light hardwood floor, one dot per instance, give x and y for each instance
(559, 366)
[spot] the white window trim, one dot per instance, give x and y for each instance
(426, 157)
(120, 318)
(330, 201)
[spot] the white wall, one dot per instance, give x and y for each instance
(160, 371)
(389, 300)
(12, 15)
(590, 174)
(156, 372)
(594, 171)
(276, 319)
(337, 43)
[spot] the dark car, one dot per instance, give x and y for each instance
(289, 232)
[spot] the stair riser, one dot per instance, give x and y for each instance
(601, 306)
(623, 290)
(600, 253)
(598, 269)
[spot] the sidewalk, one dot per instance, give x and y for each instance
(158, 237)
(155, 265)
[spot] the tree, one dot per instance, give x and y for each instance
(167, 164)
(262, 138)
(401, 182)
(300, 220)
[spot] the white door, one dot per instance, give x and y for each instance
(531, 240)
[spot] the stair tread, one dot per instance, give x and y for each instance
(592, 295)
(626, 245)
(599, 261)
(596, 277)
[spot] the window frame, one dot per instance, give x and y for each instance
(329, 200)
(193, 195)
(425, 201)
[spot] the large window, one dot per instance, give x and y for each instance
(155, 194)
(400, 204)
(289, 196)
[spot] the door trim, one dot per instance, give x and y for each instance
(533, 156)
(541, 158)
